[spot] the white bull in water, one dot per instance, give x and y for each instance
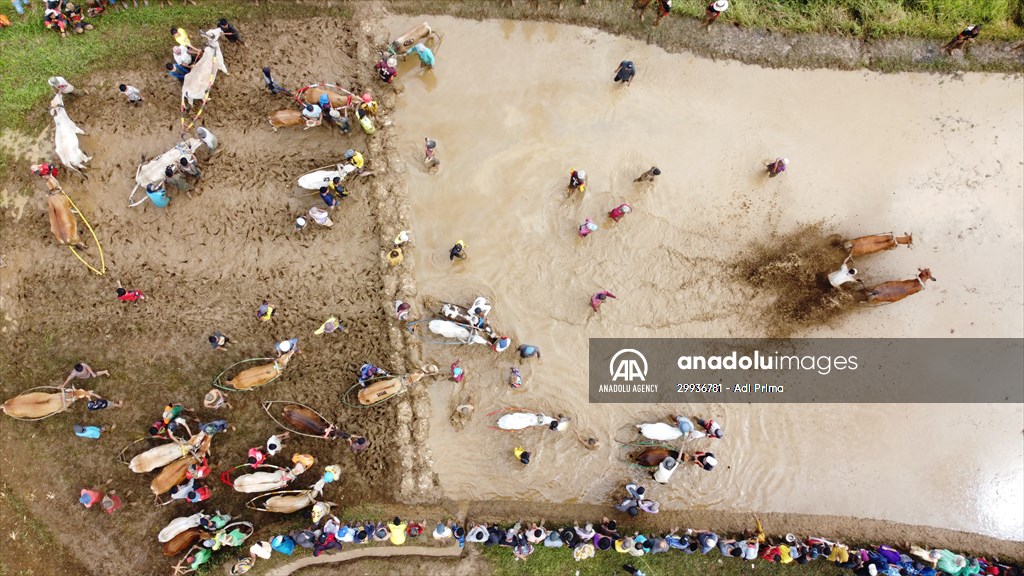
(198, 82)
(65, 138)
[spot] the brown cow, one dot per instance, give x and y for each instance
(877, 243)
(896, 290)
(338, 101)
(286, 118)
(651, 457)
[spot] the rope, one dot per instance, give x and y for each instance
(216, 380)
(103, 263)
(120, 455)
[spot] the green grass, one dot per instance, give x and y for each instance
(31, 53)
(559, 562)
(936, 19)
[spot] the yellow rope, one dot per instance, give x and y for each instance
(103, 263)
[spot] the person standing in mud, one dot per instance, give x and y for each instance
(386, 69)
(597, 299)
(962, 39)
(577, 181)
(649, 175)
(777, 167)
(229, 32)
(713, 11)
(619, 212)
(625, 72)
(458, 251)
(171, 178)
(272, 86)
(529, 351)
(430, 160)
(190, 168)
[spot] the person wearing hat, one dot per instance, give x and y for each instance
(229, 31)
(705, 460)
(521, 454)
(369, 106)
(89, 497)
(777, 167)
(623, 545)
(713, 11)
(386, 69)
(586, 228)
(442, 531)
(577, 181)
(425, 54)
(355, 158)
(625, 72)
(285, 346)
(283, 543)
(619, 211)
(649, 175)
(300, 224)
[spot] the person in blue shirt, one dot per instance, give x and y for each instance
(176, 71)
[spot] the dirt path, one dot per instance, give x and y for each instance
(357, 553)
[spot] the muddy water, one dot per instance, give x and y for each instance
(516, 106)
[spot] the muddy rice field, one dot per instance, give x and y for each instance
(939, 156)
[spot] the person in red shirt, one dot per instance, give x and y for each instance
(713, 11)
(45, 169)
(128, 295)
(619, 211)
(664, 7)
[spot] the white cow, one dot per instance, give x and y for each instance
(65, 137)
(199, 81)
(152, 172)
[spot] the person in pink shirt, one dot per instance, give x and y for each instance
(619, 211)
(597, 299)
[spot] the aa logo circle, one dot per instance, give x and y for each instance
(628, 365)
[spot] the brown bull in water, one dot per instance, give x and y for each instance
(896, 290)
(651, 457)
(877, 243)
(62, 220)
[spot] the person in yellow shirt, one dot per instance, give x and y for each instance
(623, 545)
(181, 37)
(355, 158)
(785, 556)
(397, 529)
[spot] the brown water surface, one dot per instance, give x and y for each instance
(516, 106)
